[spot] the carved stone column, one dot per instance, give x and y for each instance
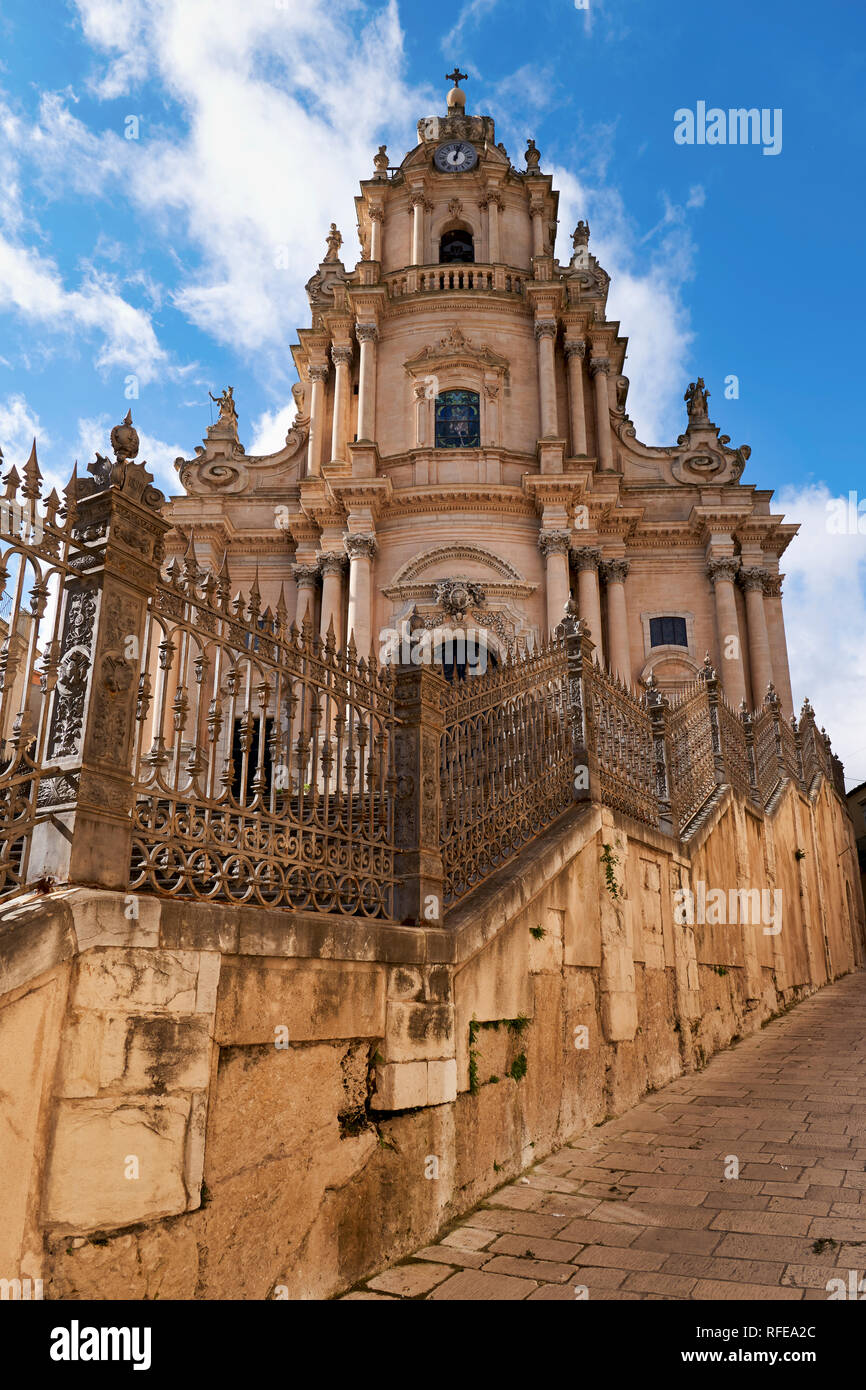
(318, 376)
(545, 336)
(536, 212)
(619, 660)
(88, 838)
(586, 559)
(599, 368)
(575, 351)
(778, 644)
(360, 549)
(554, 547)
(377, 217)
(420, 204)
(307, 580)
(493, 202)
(722, 571)
(341, 356)
(752, 579)
(368, 336)
(332, 566)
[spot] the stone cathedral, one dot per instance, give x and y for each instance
(462, 455)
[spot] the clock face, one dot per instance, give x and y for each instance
(455, 157)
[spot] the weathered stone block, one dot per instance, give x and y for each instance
(314, 1000)
(400, 1086)
(140, 981)
(94, 1143)
(441, 1082)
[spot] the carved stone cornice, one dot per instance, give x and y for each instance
(586, 557)
(554, 542)
(753, 577)
(615, 571)
(723, 567)
(361, 545)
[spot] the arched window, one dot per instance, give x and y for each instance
(464, 655)
(458, 420)
(457, 247)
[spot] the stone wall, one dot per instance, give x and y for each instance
(206, 1102)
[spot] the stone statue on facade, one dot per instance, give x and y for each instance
(335, 241)
(227, 408)
(696, 398)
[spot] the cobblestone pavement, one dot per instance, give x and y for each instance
(640, 1207)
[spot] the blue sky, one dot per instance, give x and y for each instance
(179, 257)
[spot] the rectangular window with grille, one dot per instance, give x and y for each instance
(668, 632)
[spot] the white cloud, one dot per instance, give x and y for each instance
(468, 16)
(270, 430)
(19, 426)
(825, 620)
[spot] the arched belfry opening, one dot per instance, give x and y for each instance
(456, 247)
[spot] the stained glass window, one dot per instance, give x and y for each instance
(458, 420)
(668, 632)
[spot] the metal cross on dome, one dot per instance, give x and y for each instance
(456, 77)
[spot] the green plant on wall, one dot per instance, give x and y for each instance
(610, 861)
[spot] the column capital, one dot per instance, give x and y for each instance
(724, 567)
(376, 214)
(367, 332)
(419, 198)
(536, 207)
(615, 571)
(360, 544)
(773, 585)
(599, 365)
(753, 577)
(332, 562)
(491, 195)
(341, 355)
(306, 576)
(318, 371)
(554, 542)
(545, 328)
(586, 557)
(575, 347)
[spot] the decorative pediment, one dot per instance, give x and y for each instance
(455, 349)
(450, 556)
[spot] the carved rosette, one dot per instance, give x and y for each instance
(456, 596)
(723, 567)
(554, 542)
(615, 571)
(361, 546)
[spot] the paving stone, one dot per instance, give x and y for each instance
(469, 1238)
(526, 1268)
(408, 1281)
(476, 1285)
(559, 1250)
(720, 1288)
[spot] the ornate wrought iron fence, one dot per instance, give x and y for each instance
(259, 765)
(505, 768)
(264, 758)
(692, 762)
(38, 552)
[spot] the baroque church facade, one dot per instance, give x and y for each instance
(462, 458)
